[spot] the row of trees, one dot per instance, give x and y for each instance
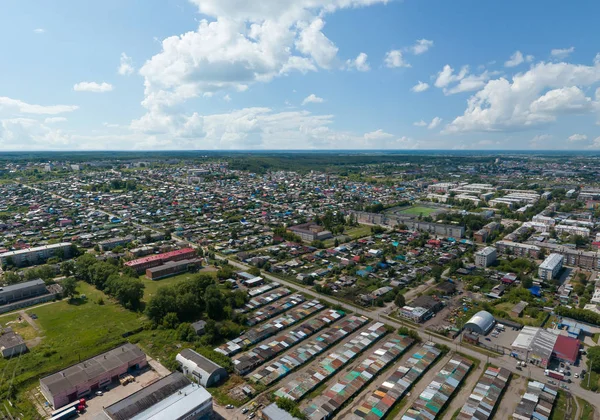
(578, 314)
(107, 276)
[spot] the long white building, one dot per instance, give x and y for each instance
(550, 267)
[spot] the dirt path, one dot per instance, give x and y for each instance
(30, 320)
(511, 397)
(467, 386)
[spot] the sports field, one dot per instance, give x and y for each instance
(417, 210)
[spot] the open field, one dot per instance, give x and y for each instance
(21, 327)
(70, 333)
(417, 210)
(151, 286)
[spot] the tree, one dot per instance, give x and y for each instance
(170, 320)
(593, 355)
(400, 301)
(67, 268)
(215, 303)
(69, 286)
(254, 271)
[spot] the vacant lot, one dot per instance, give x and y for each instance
(153, 285)
(70, 332)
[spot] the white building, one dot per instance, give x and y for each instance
(596, 297)
(573, 230)
(485, 257)
(548, 221)
(550, 267)
(205, 371)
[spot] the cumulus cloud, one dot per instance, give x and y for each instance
(420, 123)
(420, 87)
(242, 43)
(312, 99)
(421, 46)
(360, 63)
(463, 81)
(561, 53)
(576, 138)
(533, 98)
(394, 59)
(126, 65)
(378, 135)
(17, 106)
(540, 140)
(518, 58)
(92, 87)
(435, 122)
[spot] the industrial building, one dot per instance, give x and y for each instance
(421, 309)
(206, 372)
(172, 268)
(539, 346)
(11, 343)
(142, 264)
(173, 397)
(22, 295)
(37, 255)
(550, 267)
(485, 257)
(76, 381)
(481, 323)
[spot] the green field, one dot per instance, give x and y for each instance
(153, 285)
(70, 333)
(417, 210)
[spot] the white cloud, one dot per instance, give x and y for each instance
(420, 123)
(312, 99)
(54, 120)
(561, 53)
(126, 65)
(535, 97)
(92, 87)
(242, 43)
(227, 98)
(595, 144)
(420, 87)
(360, 63)
(17, 106)
(447, 76)
(518, 58)
(435, 122)
(421, 46)
(39, 30)
(394, 59)
(377, 135)
(465, 82)
(577, 137)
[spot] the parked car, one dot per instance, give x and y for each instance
(229, 406)
(244, 410)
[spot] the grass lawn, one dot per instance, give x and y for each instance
(587, 409)
(71, 332)
(153, 285)
(417, 210)
(21, 327)
(353, 233)
(560, 408)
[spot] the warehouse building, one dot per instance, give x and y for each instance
(540, 346)
(550, 267)
(205, 371)
(11, 343)
(172, 268)
(22, 295)
(37, 255)
(76, 381)
(173, 397)
(481, 323)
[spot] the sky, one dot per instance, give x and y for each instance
(301, 74)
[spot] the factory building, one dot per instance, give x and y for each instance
(173, 397)
(206, 372)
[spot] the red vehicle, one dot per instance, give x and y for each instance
(554, 374)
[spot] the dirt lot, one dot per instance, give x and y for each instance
(118, 392)
(465, 390)
(511, 397)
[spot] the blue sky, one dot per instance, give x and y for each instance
(307, 74)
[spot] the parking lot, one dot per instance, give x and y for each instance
(117, 392)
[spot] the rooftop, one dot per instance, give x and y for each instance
(202, 362)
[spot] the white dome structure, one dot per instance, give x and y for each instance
(482, 322)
